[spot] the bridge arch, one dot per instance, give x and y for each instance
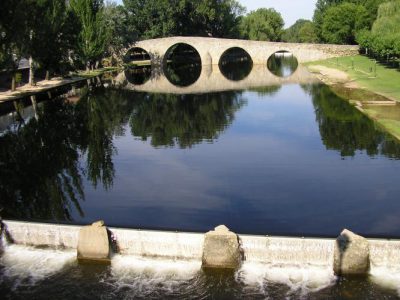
(282, 63)
(235, 63)
(182, 64)
(136, 54)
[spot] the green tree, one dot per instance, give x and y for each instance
(322, 6)
(53, 36)
(384, 38)
(161, 18)
(94, 34)
(13, 29)
(264, 24)
(303, 31)
(341, 23)
(121, 33)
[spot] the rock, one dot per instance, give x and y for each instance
(94, 243)
(351, 256)
(221, 249)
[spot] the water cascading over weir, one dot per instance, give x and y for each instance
(308, 262)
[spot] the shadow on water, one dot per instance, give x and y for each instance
(184, 120)
(235, 64)
(347, 130)
(46, 161)
(182, 65)
(138, 75)
(282, 64)
(41, 172)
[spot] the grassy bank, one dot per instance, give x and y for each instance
(367, 74)
(365, 81)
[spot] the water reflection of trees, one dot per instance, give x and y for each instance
(282, 65)
(347, 130)
(41, 176)
(184, 120)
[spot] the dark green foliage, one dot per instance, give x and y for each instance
(341, 23)
(303, 31)
(384, 38)
(171, 120)
(371, 7)
(161, 18)
(53, 33)
(39, 174)
(12, 30)
(264, 24)
(121, 33)
(94, 34)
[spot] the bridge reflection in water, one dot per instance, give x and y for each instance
(212, 78)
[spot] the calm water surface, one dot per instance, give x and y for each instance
(276, 159)
(291, 159)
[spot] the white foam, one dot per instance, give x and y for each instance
(32, 264)
(145, 275)
(299, 279)
(387, 277)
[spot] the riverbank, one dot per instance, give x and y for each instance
(46, 85)
(371, 87)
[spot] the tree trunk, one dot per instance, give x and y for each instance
(34, 104)
(13, 83)
(31, 72)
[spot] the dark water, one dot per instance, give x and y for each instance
(292, 159)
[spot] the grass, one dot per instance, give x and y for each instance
(94, 73)
(367, 73)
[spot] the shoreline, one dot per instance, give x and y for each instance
(368, 101)
(47, 85)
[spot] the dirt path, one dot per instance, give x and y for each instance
(40, 86)
(333, 76)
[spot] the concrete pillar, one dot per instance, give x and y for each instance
(351, 255)
(221, 249)
(94, 244)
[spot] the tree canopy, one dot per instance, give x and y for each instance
(160, 18)
(341, 23)
(384, 38)
(264, 24)
(303, 31)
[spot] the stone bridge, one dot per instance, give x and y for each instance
(211, 49)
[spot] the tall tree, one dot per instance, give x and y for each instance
(94, 34)
(264, 24)
(54, 35)
(384, 38)
(13, 28)
(121, 33)
(341, 23)
(322, 6)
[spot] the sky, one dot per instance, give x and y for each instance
(291, 10)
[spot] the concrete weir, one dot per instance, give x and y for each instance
(273, 252)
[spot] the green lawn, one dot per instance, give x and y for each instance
(368, 74)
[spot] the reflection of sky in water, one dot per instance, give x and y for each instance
(267, 173)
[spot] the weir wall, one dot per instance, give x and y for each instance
(189, 246)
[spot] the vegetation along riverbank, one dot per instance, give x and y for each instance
(371, 86)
